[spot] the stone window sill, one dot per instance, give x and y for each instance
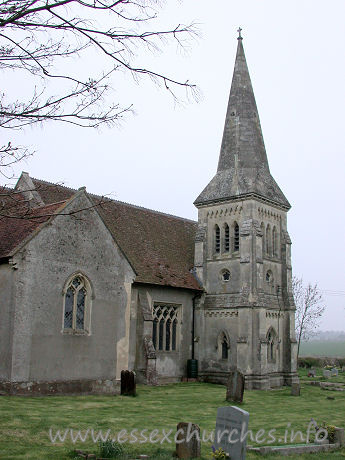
(74, 332)
(169, 352)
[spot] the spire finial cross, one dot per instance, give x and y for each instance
(239, 30)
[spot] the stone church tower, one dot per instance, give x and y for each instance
(242, 255)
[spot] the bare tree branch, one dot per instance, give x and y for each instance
(309, 309)
(36, 34)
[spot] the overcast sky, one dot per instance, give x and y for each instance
(164, 155)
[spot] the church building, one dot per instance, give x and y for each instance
(92, 286)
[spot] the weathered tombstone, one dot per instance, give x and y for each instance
(188, 440)
(295, 389)
(334, 372)
(128, 384)
(235, 387)
(326, 373)
(231, 428)
(339, 436)
(312, 373)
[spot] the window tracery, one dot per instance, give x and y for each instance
(76, 304)
(165, 327)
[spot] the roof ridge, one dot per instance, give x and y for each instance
(118, 201)
(52, 183)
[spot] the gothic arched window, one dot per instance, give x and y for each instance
(268, 240)
(271, 341)
(275, 242)
(217, 239)
(77, 297)
(165, 327)
(269, 277)
(236, 237)
(263, 239)
(226, 238)
(223, 346)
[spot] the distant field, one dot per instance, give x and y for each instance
(323, 348)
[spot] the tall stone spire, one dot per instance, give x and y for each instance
(243, 167)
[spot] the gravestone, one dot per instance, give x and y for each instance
(188, 440)
(312, 373)
(326, 373)
(339, 436)
(128, 384)
(334, 372)
(235, 387)
(231, 427)
(295, 389)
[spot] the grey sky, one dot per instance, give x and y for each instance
(162, 157)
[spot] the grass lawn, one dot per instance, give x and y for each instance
(303, 373)
(25, 421)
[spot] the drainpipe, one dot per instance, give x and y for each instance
(192, 364)
(193, 324)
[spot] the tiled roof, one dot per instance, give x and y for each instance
(18, 222)
(159, 246)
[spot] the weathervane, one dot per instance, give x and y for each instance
(239, 30)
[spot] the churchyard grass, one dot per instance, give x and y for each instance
(303, 373)
(25, 421)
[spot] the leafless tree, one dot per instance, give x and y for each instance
(309, 309)
(35, 35)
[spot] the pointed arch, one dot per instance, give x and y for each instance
(269, 277)
(223, 345)
(263, 238)
(165, 332)
(275, 242)
(236, 237)
(268, 240)
(77, 296)
(226, 238)
(216, 239)
(271, 338)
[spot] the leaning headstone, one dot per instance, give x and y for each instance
(231, 429)
(334, 372)
(128, 384)
(235, 387)
(295, 389)
(326, 373)
(188, 440)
